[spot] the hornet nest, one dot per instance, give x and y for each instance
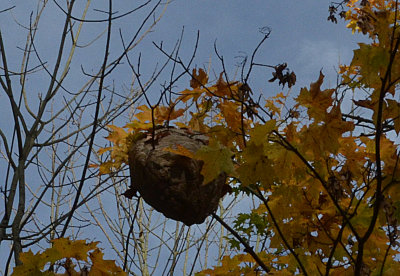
(172, 183)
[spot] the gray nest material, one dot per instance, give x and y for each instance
(172, 183)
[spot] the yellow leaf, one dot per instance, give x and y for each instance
(145, 114)
(255, 166)
(117, 134)
(181, 125)
(180, 150)
(63, 248)
(231, 114)
(260, 132)
(164, 113)
(103, 267)
(187, 94)
(323, 138)
(271, 103)
(33, 264)
(77, 249)
(315, 100)
(103, 150)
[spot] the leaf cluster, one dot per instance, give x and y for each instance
(63, 253)
(326, 181)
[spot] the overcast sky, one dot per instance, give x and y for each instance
(301, 35)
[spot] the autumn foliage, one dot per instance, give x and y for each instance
(325, 169)
(76, 257)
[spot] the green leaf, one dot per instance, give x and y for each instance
(259, 133)
(217, 159)
(372, 61)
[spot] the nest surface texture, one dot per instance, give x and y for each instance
(172, 183)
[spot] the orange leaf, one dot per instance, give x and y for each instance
(231, 114)
(199, 79)
(164, 113)
(180, 150)
(224, 89)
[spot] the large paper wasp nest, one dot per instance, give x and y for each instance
(172, 183)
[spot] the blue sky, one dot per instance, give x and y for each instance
(301, 35)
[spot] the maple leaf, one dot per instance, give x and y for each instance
(164, 113)
(144, 119)
(365, 103)
(64, 248)
(103, 267)
(199, 79)
(116, 135)
(145, 114)
(323, 138)
(241, 264)
(77, 249)
(255, 167)
(372, 62)
(316, 101)
(217, 159)
(225, 89)
(119, 150)
(231, 114)
(363, 218)
(259, 133)
(271, 102)
(187, 94)
(33, 264)
(287, 77)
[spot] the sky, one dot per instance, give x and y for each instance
(300, 35)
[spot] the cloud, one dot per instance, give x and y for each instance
(314, 55)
